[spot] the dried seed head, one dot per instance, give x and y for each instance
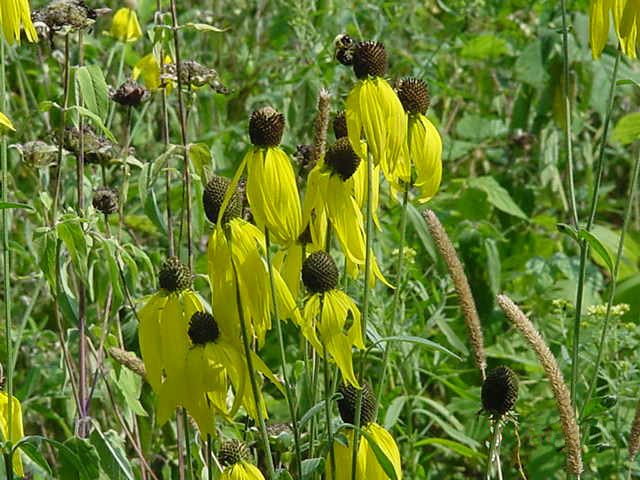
(414, 95)
(345, 46)
(174, 276)
(319, 272)
(347, 404)
(266, 127)
(203, 328)
(105, 201)
(36, 153)
(232, 452)
(500, 391)
(369, 58)
(64, 16)
(96, 148)
(340, 125)
(341, 158)
(193, 74)
(213, 196)
(130, 94)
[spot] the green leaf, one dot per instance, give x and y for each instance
(627, 130)
(72, 235)
(450, 445)
(598, 247)
(79, 460)
(382, 458)
(317, 408)
(88, 113)
(204, 27)
(417, 340)
(393, 412)
(34, 454)
(113, 459)
(130, 385)
(93, 88)
(282, 474)
(568, 230)
(200, 158)
(485, 46)
(311, 466)
(497, 195)
(47, 260)
(494, 267)
(4, 205)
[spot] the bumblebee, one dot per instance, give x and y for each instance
(345, 46)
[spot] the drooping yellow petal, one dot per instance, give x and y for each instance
(125, 26)
(242, 471)
(5, 122)
(627, 20)
(150, 339)
(343, 455)
(388, 445)
(272, 193)
(426, 152)
(13, 15)
(599, 25)
(16, 427)
(149, 68)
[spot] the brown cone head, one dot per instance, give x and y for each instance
(347, 404)
(500, 391)
(319, 272)
(369, 59)
(130, 94)
(203, 328)
(414, 95)
(266, 127)
(232, 452)
(105, 201)
(174, 276)
(340, 125)
(213, 196)
(341, 158)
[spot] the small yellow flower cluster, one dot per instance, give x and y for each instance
(617, 310)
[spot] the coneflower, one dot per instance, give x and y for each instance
(233, 457)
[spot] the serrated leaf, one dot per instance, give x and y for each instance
(627, 130)
(497, 195)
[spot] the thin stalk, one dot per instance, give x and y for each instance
(396, 293)
(187, 443)
(283, 357)
(614, 276)
(327, 407)
(6, 282)
(209, 459)
(112, 108)
(252, 375)
(494, 451)
(63, 114)
(183, 128)
(365, 309)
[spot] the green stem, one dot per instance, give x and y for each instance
(63, 114)
(365, 309)
(112, 108)
(252, 375)
(327, 405)
(283, 356)
(187, 443)
(614, 276)
(494, 450)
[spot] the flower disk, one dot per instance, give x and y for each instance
(341, 158)
(232, 452)
(174, 276)
(500, 391)
(266, 127)
(369, 58)
(213, 196)
(203, 328)
(105, 201)
(414, 95)
(340, 125)
(319, 272)
(347, 404)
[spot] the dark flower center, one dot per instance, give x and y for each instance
(319, 272)
(203, 328)
(174, 276)
(347, 404)
(500, 391)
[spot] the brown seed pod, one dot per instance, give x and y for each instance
(500, 391)
(266, 127)
(414, 95)
(174, 276)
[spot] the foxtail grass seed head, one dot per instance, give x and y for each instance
(203, 328)
(319, 272)
(232, 452)
(130, 94)
(266, 127)
(369, 59)
(174, 276)
(129, 360)
(414, 95)
(570, 428)
(500, 391)
(213, 196)
(340, 125)
(347, 404)
(341, 158)
(105, 201)
(321, 125)
(634, 436)
(345, 46)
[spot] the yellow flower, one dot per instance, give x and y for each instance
(125, 26)
(149, 67)
(5, 122)
(13, 15)
(626, 23)
(16, 427)
(326, 312)
(233, 458)
(242, 471)
(373, 107)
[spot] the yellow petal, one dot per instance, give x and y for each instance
(149, 68)
(16, 427)
(426, 152)
(5, 122)
(13, 15)
(150, 339)
(125, 26)
(599, 25)
(343, 456)
(388, 445)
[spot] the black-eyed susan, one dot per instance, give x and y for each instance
(125, 26)
(233, 457)
(15, 433)
(424, 145)
(373, 107)
(626, 22)
(15, 14)
(236, 246)
(327, 311)
(271, 183)
(367, 466)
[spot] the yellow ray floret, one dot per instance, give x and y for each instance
(425, 149)
(125, 26)
(242, 471)
(16, 428)
(13, 15)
